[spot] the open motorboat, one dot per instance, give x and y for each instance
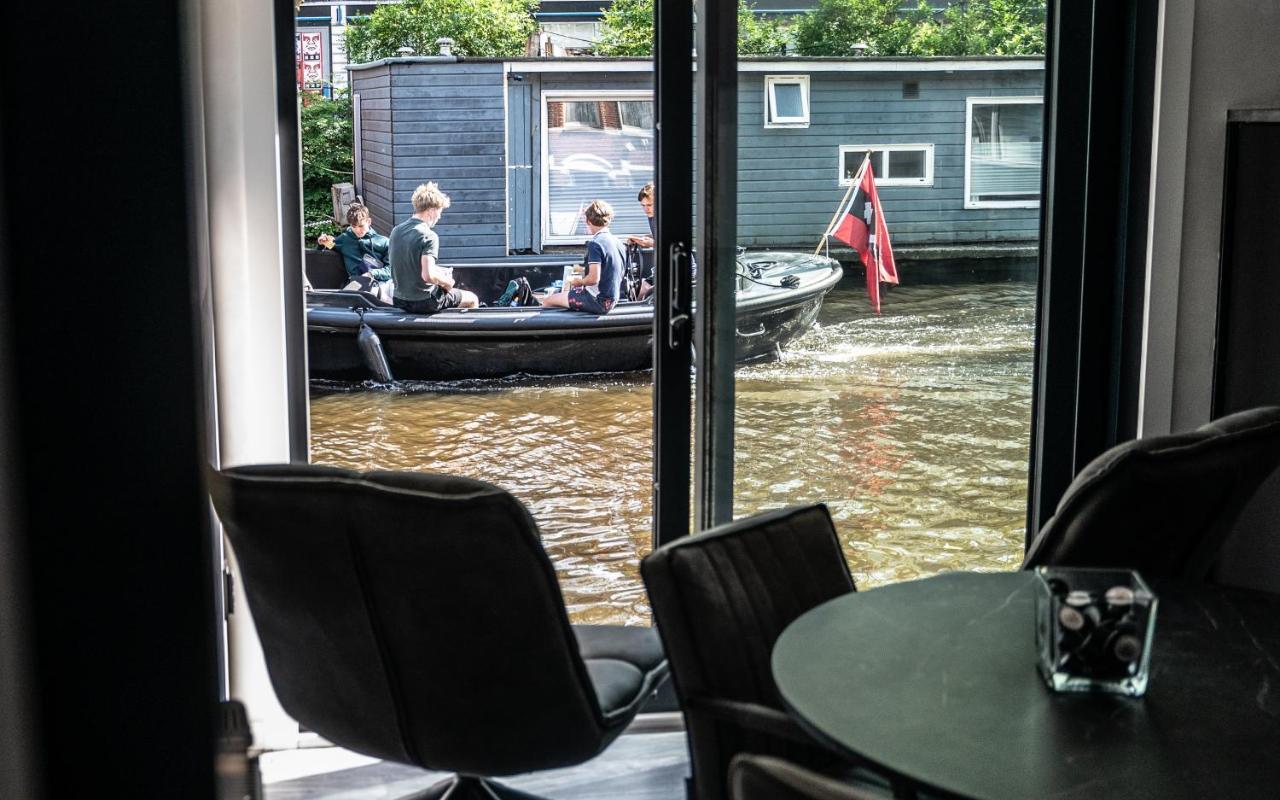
(778, 298)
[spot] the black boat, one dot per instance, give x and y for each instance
(778, 298)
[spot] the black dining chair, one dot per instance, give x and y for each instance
(720, 599)
(1163, 505)
(416, 618)
(753, 777)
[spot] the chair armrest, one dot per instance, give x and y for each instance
(753, 716)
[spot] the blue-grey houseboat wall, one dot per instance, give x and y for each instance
(439, 120)
(475, 127)
(788, 178)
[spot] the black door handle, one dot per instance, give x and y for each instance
(677, 258)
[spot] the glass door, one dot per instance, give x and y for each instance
(584, 417)
(871, 344)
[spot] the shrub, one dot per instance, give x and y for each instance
(327, 141)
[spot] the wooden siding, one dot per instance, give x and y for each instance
(373, 86)
(550, 83)
(451, 123)
(442, 122)
(787, 177)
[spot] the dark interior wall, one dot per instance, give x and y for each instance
(1228, 55)
(106, 516)
(1246, 353)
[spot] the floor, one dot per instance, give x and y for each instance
(638, 766)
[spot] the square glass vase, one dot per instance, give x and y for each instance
(1094, 629)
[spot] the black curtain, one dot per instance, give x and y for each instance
(105, 519)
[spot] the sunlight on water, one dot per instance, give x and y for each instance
(912, 426)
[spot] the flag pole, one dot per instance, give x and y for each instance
(827, 231)
(840, 208)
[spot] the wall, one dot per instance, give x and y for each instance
(788, 186)
(787, 181)
(1215, 55)
(550, 83)
(444, 121)
(377, 176)
(1233, 65)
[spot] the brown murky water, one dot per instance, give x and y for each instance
(912, 426)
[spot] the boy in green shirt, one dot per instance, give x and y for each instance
(364, 251)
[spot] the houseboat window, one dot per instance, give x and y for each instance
(892, 164)
(597, 147)
(786, 101)
(1002, 152)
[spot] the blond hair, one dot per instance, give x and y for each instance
(428, 196)
(646, 193)
(599, 213)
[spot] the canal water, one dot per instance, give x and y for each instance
(913, 426)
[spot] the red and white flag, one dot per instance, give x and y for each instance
(861, 225)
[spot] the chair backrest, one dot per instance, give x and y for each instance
(409, 616)
(325, 269)
(720, 600)
(753, 777)
(1163, 505)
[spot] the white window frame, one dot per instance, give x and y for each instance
(771, 120)
(970, 102)
(888, 180)
(573, 96)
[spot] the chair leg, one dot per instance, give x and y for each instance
(470, 787)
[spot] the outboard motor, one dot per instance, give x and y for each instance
(371, 351)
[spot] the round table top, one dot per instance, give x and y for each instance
(936, 680)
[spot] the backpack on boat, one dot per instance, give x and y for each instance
(518, 293)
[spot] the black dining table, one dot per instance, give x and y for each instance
(934, 681)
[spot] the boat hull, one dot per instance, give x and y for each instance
(498, 342)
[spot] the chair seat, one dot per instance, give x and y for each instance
(626, 664)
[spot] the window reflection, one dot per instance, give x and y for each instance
(597, 148)
(1004, 152)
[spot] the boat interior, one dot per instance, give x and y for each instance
(143, 656)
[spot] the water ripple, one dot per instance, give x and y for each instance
(912, 426)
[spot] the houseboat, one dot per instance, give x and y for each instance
(521, 144)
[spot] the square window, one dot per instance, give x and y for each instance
(1003, 149)
(786, 101)
(892, 164)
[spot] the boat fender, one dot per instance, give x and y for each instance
(371, 351)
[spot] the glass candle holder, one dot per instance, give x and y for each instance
(1094, 629)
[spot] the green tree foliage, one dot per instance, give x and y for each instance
(477, 27)
(759, 36)
(327, 141)
(974, 27)
(627, 30)
(837, 27)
